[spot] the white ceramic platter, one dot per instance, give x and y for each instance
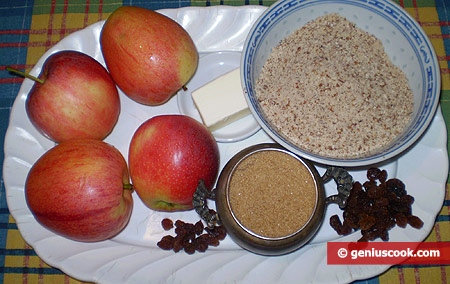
(133, 257)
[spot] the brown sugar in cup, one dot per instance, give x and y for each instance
(270, 201)
(272, 194)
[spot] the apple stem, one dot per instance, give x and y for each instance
(128, 186)
(13, 70)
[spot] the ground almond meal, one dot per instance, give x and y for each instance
(272, 194)
(331, 89)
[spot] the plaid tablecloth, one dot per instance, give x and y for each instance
(28, 28)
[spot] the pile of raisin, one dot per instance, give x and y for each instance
(375, 207)
(190, 237)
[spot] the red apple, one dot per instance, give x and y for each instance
(168, 156)
(80, 190)
(149, 55)
(77, 100)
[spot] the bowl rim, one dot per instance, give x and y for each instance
(385, 8)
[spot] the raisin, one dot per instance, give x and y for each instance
(369, 184)
(415, 222)
(213, 241)
(166, 243)
(381, 202)
(198, 228)
(384, 235)
(390, 224)
(178, 244)
(375, 192)
(203, 237)
(188, 227)
(180, 231)
(363, 238)
(370, 234)
(373, 173)
(189, 248)
(382, 176)
(376, 207)
(357, 187)
(190, 237)
(346, 229)
(200, 245)
(336, 224)
(221, 233)
(396, 186)
(179, 224)
(167, 224)
(401, 220)
(352, 201)
(407, 199)
(397, 206)
(352, 220)
(366, 222)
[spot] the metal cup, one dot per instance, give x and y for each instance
(255, 242)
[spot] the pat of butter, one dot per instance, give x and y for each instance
(221, 101)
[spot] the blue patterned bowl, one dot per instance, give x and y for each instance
(404, 41)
